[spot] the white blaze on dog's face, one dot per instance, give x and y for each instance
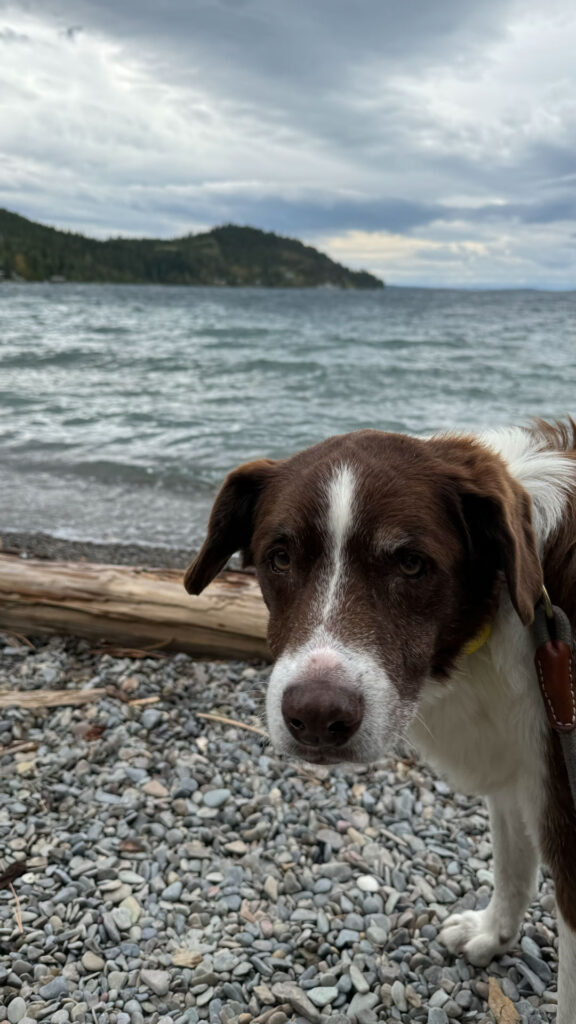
(379, 557)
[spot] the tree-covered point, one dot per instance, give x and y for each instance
(227, 255)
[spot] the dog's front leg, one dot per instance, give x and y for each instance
(483, 934)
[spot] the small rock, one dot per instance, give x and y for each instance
(264, 994)
(92, 962)
(399, 996)
(362, 1002)
(121, 917)
(172, 892)
(437, 1016)
(16, 1010)
(367, 883)
(150, 718)
(438, 998)
(60, 1017)
(236, 846)
(271, 888)
(215, 797)
(290, 992)
(155, 788)
(157, 981)
(452, 1009)
(377, 935)
(358, 979)
(346, 937)
(117, 979)
(55, 989)
(224, 961)
(535, 983)
(322, 995)
(132, 907)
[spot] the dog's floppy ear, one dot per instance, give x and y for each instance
(498, 515)
(231, 522)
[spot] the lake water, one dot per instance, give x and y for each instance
(122, 407)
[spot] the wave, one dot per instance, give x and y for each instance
(181, 480)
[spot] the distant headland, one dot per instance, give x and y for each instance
(228, 255)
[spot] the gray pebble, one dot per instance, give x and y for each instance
(216, 797)
(60, 1017)
(437, 1016)
(399, 996)
(172, 892)
(55, 989)
(358, 979)
(534, 981)
(16, 1010)
(150, 718)
(322, 995)
(356, 870)
(288, 991)
(438, 998)
(224, 961)
(361, 1002)
(157, 981)
(346, 937)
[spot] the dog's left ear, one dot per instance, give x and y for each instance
(231, 522)
(498, 514)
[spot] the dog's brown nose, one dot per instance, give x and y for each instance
(322, 713)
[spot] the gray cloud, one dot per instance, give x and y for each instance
(447, 123)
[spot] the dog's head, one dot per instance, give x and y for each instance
(380, 557)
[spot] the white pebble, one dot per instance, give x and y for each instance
(367, 883)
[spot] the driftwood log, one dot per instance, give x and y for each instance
(143, 608)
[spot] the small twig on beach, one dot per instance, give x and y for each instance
(48, 698)
(21, 640)
(17, 910)
(19, 747)
(231, 721)
(154, 651)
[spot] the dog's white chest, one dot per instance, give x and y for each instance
(485, 727)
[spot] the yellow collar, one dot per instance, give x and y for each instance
(479, 640)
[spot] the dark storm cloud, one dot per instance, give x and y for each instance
(318, 216)
(324, 65)
(303, 41)
(443, 123)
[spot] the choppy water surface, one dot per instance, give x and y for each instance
(121, 407)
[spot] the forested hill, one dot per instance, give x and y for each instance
(226, 255)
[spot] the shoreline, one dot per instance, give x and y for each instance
(29, 544)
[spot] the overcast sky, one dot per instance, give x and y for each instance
(431, 141)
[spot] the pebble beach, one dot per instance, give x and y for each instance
(177, 870)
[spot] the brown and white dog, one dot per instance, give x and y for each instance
(381, 558)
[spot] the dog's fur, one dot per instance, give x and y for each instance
(380, 557)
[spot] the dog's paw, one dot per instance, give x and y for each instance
(474, 935)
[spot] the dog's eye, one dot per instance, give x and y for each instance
(280, 560)
(411, 564)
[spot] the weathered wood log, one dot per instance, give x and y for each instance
(133, 607)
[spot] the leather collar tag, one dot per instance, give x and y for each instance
(555, 666)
